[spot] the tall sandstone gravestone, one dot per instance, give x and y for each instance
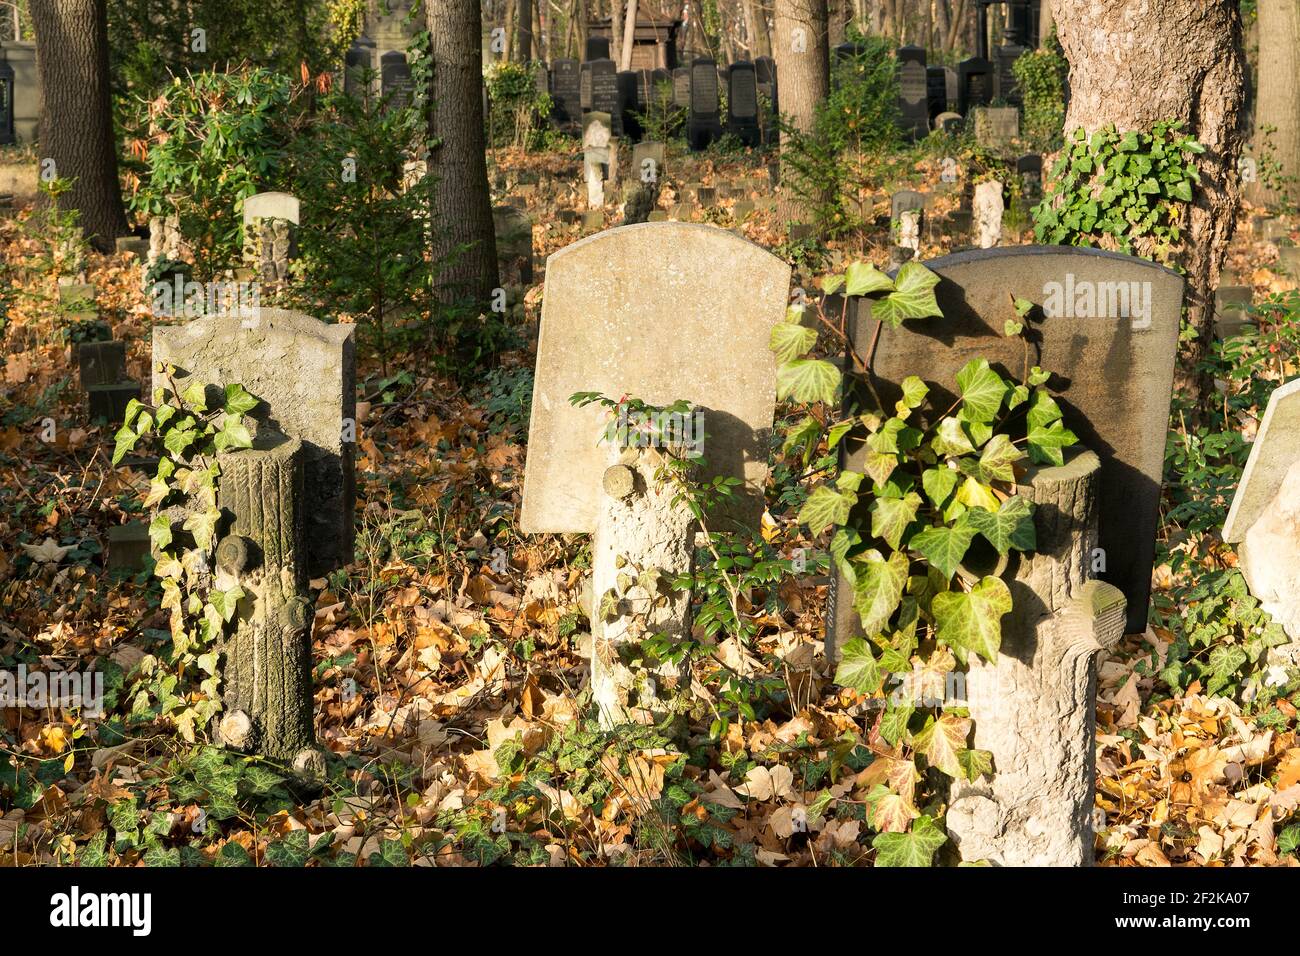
(1106, 327)
(304, 372)
(636, 311)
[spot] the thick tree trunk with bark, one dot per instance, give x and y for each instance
(1034, 707)
(464, 245)
(1278, 96)
(1137, 64)
(802, 57)
(76, 115)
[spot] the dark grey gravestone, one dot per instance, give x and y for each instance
(661, 89)
(1030, 170)
(597, 48)
(1106, 327)
(604, 93)
(974, 84)
(101, 363)
(128, 546)
(1007, 88)
(396, 84)
(844, 58)
(628, 123)
(7, 134)
(742, 104)
(584, 87)
(566, 92)
(358, 64)
(704, 125)
(936, 93)
(912, 91)
(950, 87)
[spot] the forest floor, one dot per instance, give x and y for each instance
(449, 686)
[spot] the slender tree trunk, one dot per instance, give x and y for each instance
(616, 30)
(629, 35)
(760, 43)
(1134, 69)
(1277, 102)
(76, 129)
(1045, 23)
(464, 245)
(580, 11)
(802, 58)
(524, 18)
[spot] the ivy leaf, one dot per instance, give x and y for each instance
(912, 298)
(124, 442)
(203, 525)
(893, 725)
(804, 435)
(160, 532)
(224, 602)
(973, 493)
(238, 401)
(832, 284)
(895, 436)
(976, 763)
(942, 742)
(862, 278)
(945, 546)
(233, 434)
(972, 621)
(916, 848)
(826, 506)
(889, 812)
(997, 457)
(807, 380)
(879, 588)
(879, 465)
(914, 392)
(178, 439)
(950, 439)
(1011, 526)
(195, 395)
(891, 516)
(1043, 410)
(938, 484)
(858, 667)
(982, 391)
(789, 341)
(1045, 444)
(842, 541)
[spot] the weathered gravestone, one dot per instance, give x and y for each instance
(1030, 170)
(566, 93)
(25, 105)
(1232, 310)
(358, 67)
(628, 123)
(514, 234)
(605, 94)
(396, 84)
(950, 123)
(7, 134)
(597, 48)
(1108, 333)
(599, 156)
(270, 242)
(996, 126)
(742, 104)
(974, 84)
(987, 213)
(613, 322)
(912, 91)
(102, 370)
(704, 124)
(1264, 521)
(936, 93)
(682, 88)
(648, 162)
(304, 372)
(906, 210)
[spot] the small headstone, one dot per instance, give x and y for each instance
(648, 162)
(1272, 454)
(705, 124)
(936, 93)
(1288, 259)
(996, 127)
(912, 91)
(1231, 310)
(950, 123)
(396, 83)
(1007, 89)
(273, 205)
(1030, 170)
(101, 363)
(514, 235)
(974, 84)
(128, 546)
(304, 372)
(137, 246)
(358, 65)
(742, 104)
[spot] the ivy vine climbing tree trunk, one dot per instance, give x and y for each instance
(464, 245)
(1136, 64)
(76, 129)
(1278, 98)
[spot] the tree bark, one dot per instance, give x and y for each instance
(524, 19)
(1133, 69)
(1045, 23)
(1277, 101)
(76, 129)
(629, 35)
(802, 59)
(760, 41)
(1034, 707)
(464, 245)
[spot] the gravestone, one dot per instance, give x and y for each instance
(514, 234)
(627, 286)
(584, 87)
(996, 127)
(912, 91)
(7, 134)
(566, 95)
(304, 372)
(742, 104)
(950, 88)
(936, 93)
(26, 103)
(128, 546)
(270, 236)
(1264, 521)
(1007, 89)
(1108, 331)
(765, 75)
(704, 125)
(1232, 310)
(682, 88)
(648, 162)
(949, 123)
(395, 83)
(987, 211)
(844, 58)
(358, 67)
(599, 157)
(1030, 170)
(597, 48)
(906, 211)
(628, 123)
(102, 371)
(605, 94)
(974, 84)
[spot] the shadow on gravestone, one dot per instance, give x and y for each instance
(613, 322)
(304, 372)
(1112, 377)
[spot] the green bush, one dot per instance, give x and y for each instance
(1041, 75)
(518, 112)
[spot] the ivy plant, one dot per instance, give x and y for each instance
(188, 435)
(934, 490)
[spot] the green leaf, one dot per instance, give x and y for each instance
(203, 525)
(224, 602)
(891, 516)
(942, 741)
(982, 390)
(1012, 526)
(124, 442)
(997, 458)
(790, 341)
(160, 532)
(858, 667)
(807, 380)
(1043, 410)
(233, 434)
(862, 278)
(238, 401)
(893, 725)
(832, 284)
(879, 588)
(1045, 444)
(914, 392)
(292, 851)
(938, 484)
(972, 621)
(826, 506)
(912, 298)
(916, 848)
(950, 438)
(803, 435)
(1288, 841)
(178, 439)
(194, 395)
(976, 763)
(944, 547)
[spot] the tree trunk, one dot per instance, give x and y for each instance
(616, 31)
(760, 42)
(464, 245)
(1134, 69)
(76, 129)
(629, 35)
(1045, 23)
(1034, 707)
(802, 59)
(524, 19)
(1278, 95)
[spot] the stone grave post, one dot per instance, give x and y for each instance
(987, 214)
(597, 156)
(102, 370)
(906, 211)
(612, 323)
(270, 237)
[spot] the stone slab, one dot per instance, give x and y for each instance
(1275, 449)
